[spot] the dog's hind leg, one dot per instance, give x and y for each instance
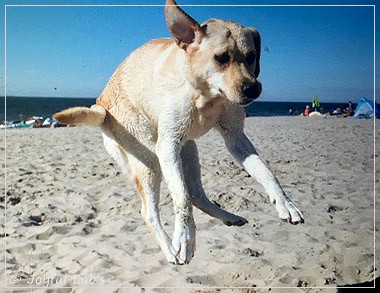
(192, 171)
(148, 182)
(148, 185)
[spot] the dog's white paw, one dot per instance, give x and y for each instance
(288, 211)
(170, 254)
(184, 241)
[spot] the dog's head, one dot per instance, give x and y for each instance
(224, 56)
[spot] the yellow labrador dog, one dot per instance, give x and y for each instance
(168, 93)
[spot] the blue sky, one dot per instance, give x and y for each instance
(71, 51)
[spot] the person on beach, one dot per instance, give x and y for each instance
(337, 111)
(350, 107)
(307, 111)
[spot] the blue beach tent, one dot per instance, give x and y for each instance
(365, 109)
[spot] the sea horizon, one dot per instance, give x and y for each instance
(23, 107)
(271, 101)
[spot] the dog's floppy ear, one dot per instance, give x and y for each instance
(257, 40)
(182, 26)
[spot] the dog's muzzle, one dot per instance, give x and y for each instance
(250, 91)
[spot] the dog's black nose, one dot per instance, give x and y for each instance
(251, 90)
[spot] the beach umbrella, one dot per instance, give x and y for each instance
(316, 103)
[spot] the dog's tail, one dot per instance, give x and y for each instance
(93, 116)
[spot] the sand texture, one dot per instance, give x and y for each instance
(73, 219)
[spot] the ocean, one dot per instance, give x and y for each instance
(28, 107)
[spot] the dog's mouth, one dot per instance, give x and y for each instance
(244, 102)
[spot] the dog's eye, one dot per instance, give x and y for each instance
(251, 58)
(223, 59)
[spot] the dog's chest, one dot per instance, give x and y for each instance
(205, 115)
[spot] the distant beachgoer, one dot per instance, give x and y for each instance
(350, 109)
(290, 111)
(350, 106)
(348, 112)
(307, 111)
(337, 111)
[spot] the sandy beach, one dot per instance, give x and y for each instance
(73, 219)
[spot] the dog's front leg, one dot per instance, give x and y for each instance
(243, 151)
(168, 152)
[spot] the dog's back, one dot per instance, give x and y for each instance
(139, 78)
(136, 79)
